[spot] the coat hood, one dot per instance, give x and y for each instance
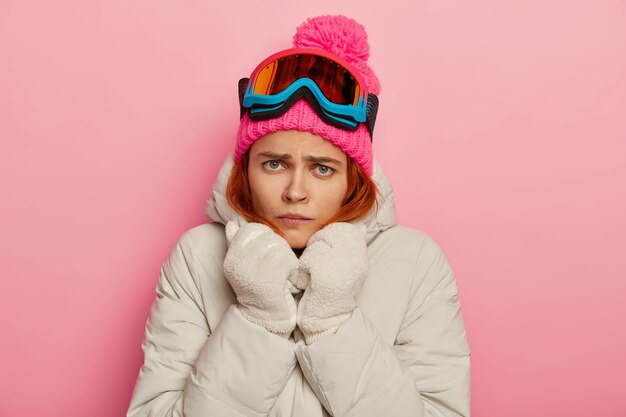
(219, 210)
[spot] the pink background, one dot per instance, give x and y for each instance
(502, 127)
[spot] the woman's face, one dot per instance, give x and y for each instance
(298, 181)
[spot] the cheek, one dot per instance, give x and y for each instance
(263, 196)
(330, 199)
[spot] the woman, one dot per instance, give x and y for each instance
(303, 297)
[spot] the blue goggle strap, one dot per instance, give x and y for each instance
(357, 113)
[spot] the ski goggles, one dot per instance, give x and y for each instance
(334, 90)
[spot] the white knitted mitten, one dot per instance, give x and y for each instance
(257, 265)
(336, 258)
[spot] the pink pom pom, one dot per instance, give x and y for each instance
(341, 36)
(337, 34)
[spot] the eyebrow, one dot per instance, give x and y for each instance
(287, 157)
(323, 160)
(274, 155)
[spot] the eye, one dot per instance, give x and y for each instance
(272, 165)
(323, 170)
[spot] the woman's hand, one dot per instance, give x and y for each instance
(257, 265)
(336, 258)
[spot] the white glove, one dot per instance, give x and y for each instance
(258, 265)
(336, 258)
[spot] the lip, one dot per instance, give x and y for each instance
(293, 220)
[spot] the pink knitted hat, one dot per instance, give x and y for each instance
(346, 38)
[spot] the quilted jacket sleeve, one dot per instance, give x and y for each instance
(191, 371)
(425, 373)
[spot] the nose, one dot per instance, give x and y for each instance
(296, 191)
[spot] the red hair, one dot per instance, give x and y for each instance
(360, 196)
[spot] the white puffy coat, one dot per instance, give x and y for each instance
(404, 351)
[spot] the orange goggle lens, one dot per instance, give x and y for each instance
(334, 81)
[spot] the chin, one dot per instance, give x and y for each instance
(297, 239)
